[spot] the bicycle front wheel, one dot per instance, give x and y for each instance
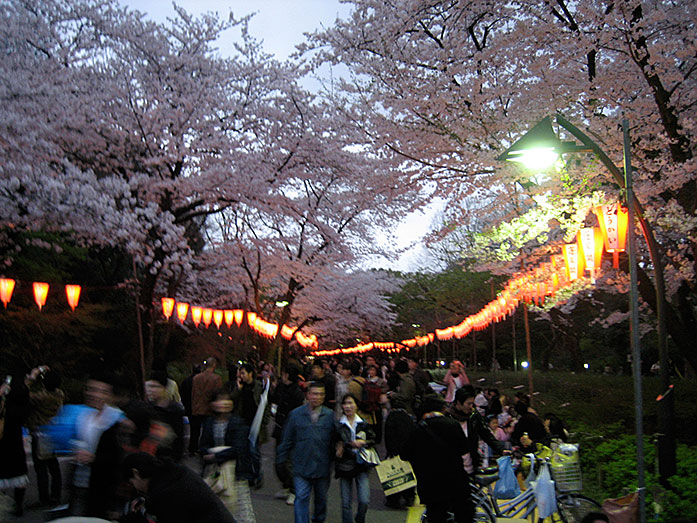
(573, 507)
(483, 511)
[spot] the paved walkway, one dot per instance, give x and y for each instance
(266, 508)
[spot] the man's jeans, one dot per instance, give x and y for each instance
(303, 488)
(363, 490)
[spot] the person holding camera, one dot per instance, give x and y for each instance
(14, 400)
(45, 400)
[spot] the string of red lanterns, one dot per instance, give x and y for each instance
(229, 316)
(533, 286)
(40, 290)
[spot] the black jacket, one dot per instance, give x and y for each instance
(435, 452)
(346, 466)
(478, 430)
(177, 495)
(237, 438)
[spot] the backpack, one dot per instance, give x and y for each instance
(370, 399)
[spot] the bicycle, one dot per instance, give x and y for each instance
(571, 506)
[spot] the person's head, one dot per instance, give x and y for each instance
(210, 363)
(349, 405)
(493, 422)
(317, 371)
(554, 426)
(221, 402)
(372, 371)
(247, 373)
(492, 393)
(290, 373)
(315, 394)
(402, 367)
(464, 399)
(156, 387)
(355, 367)
(344, 369)
(99, 391)
(412, 364)
(369, 360)
(432, 403)
(139, 468)
(456, 367)
(52, 380)
(521, 408)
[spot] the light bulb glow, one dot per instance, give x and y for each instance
(538, 158)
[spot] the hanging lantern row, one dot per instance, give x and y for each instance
(535, 285)
(40, 289)
(229, 316)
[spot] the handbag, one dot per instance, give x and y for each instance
(507, 485)
(622, 510)
(367, 456)
(44, 445)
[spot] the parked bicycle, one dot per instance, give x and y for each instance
(571, 505)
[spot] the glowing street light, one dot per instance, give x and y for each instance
(524, 364)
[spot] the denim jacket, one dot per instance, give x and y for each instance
(311, 445)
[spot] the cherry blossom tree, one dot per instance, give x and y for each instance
(140, 135)
(447, 86)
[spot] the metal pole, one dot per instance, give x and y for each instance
(515, 352)
(528, 347)
(635, 341)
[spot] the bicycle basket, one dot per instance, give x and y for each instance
(566, 468)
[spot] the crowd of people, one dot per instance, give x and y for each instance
(325, 415)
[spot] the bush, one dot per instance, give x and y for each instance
(614, 462)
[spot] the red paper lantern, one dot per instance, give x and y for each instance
(72, 292)
(196, 313)
(40, 293)
(167, 307)
(591, 241)
(217, 317)
(7, 285)
(207, 317)
(229, 317)
(239, 316)
(182, 310)
(613, 220)
(573, 261)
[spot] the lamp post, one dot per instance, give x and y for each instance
(540, 147)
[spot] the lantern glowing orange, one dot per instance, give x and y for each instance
(613, 220)
(590, 239)
(72, 292)
(207, 317)
(182, 310)
(239, 316)
(167, 307)
(196, 313)
(217, 317)
(229, 317)
(573, 261)
(7, 285)
(251, 318)
(40, 293)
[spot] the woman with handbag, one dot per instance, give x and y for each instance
(355, 457)
(227, 464)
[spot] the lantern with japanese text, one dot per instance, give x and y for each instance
(7, 285)
(72, 292)
(573, 261)
(613, 220)
(167, 307)
(40, 293)
(591, 241)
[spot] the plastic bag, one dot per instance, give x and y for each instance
(531, 473)
(507, 485)
(544, 493)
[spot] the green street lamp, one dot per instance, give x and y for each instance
(540, 148)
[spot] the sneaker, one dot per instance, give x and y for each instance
(290, 500)
(281, 494)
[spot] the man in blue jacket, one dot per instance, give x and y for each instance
(308, 437)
